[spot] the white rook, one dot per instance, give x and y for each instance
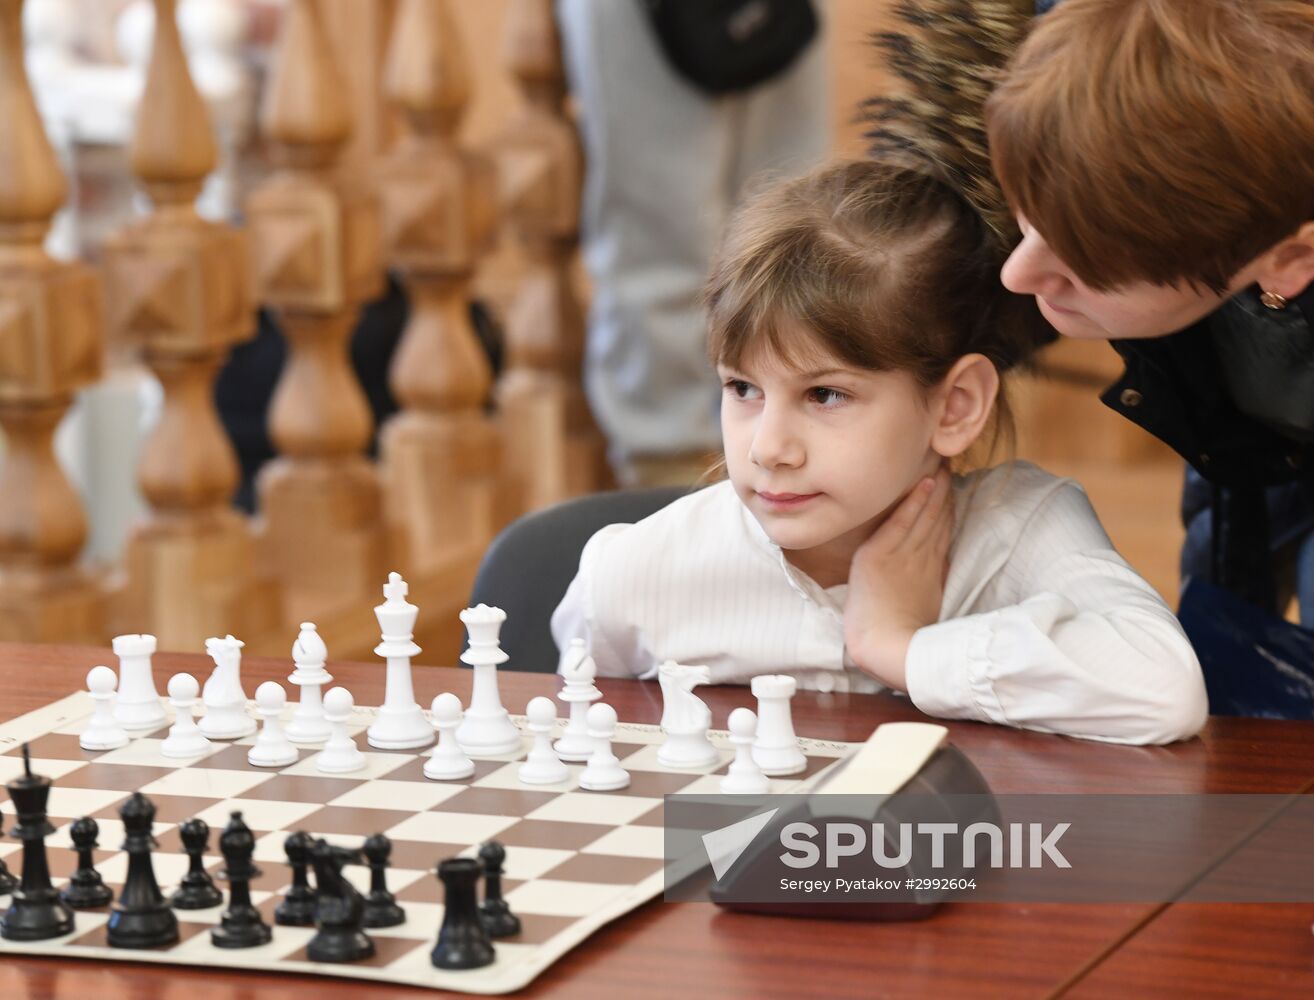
(400, 724)
(138, 706)
(776, 749)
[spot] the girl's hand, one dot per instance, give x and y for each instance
(896, 581)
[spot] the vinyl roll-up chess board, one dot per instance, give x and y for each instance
(575, 860)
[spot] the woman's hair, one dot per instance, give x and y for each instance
(878, 265)
(1160, 140)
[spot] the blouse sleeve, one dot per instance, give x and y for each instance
(1083, 645)
(615, 649)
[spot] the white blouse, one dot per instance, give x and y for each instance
(1043, 625)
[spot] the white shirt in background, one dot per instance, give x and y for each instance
(1043, 625)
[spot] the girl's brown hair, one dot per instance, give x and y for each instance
(885, 267)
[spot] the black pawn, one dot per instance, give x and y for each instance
(462, 941)
(340, 913)
(141, 918)
(494, 911)
(86, 890)
(7, 881)
(35, 912)
(298, 907)
(197, 890)
(240, 926)
(381, 909)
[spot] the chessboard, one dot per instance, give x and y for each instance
(575, 860)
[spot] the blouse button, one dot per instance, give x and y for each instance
(1130, 397)
(825, 682)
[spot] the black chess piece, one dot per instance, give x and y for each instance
(7, 881)
(462, 941)
(141, 918)
(381, 909)
(340, 909)
(86, 890)
(494, 911)
(298, 907)
(197, 890)
(240, 926)
(35, 912)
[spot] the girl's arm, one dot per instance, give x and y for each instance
(575, 618)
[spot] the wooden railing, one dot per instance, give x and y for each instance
(461, 458)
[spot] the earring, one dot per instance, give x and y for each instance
(1273, 300)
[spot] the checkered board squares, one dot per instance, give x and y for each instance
(575, 859)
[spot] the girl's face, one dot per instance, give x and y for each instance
(820, 454)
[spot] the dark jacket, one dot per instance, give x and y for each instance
(1234, 396)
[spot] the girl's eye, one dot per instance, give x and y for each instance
(740, 389)
(827, 397)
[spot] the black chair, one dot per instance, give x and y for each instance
(527, 569)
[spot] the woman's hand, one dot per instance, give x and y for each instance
(896, 581)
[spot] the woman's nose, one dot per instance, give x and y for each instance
(1032, 269)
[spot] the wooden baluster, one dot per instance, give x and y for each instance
(440, 455)
(318, 260)
(553, 442)
(179, 288)
(50, 346)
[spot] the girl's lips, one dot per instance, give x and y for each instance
(786, 500)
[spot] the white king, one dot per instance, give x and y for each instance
(401, 724)
(486, 728)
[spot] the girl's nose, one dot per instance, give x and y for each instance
(775, 442)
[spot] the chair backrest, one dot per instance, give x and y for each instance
(528, 567)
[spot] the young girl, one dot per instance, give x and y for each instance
(858, 325)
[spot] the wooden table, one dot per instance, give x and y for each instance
(693, 949)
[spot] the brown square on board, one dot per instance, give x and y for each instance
(549, 833)
(63, 861)
(386, 951)
(814, 764)
(495, 801)
(413, 770)
(610, 869)
(623, 750)
(305, 788)
(113, 777)
(535, 928)
(99, 937)
(656, 816)
(345, 820)
(419, 855)
(175, 808)
(233, 758)
(56, 746)
(655, 784)
(430, 890)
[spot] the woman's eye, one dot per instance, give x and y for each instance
(826, 397)
(740, 389)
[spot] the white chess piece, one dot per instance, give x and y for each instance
(685, 718)
(184, 739)
(309, 654)
(487, 729)
(542, 766)
(578, 670)
(272, 747)
(448, 761)
(776, 747)
(340, 754)
(102, 732)
(603, 772)
(138, 705)
(225, 715)
(744, 776)
(400, 724)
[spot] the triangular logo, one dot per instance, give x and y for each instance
(724, 846)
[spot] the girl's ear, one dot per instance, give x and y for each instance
(963, 402)
(1288, 267)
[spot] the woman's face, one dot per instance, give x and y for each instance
(1130, 312)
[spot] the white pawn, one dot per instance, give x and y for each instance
(272, 747)
(603, 772)
(102, 732)
(744, 776)
(340, 754)
(448, 761)
(542, 766)
(185, 739)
